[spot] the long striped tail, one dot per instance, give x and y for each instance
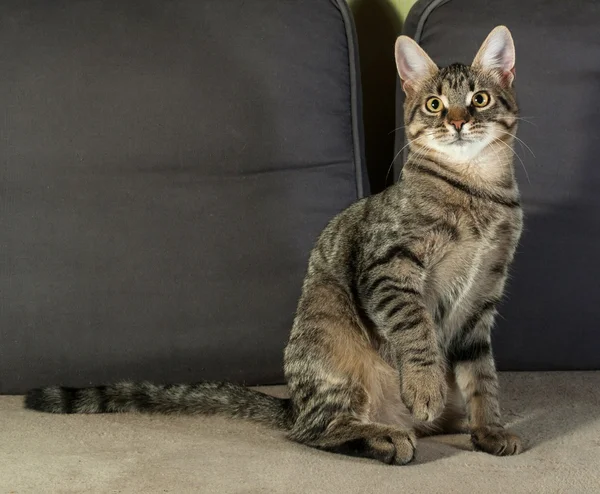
(203, 398)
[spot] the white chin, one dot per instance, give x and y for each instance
(461, 150)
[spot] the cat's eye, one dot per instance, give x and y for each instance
(434, 105)
(481, 99)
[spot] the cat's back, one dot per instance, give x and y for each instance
(334, 244)
(343, 238)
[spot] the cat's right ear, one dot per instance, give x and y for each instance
(413, 64)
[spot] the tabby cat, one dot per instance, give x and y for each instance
(391, 338)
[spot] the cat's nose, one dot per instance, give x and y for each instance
(458, 124)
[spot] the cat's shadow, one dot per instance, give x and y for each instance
(439, 447)
(540, 407)
(545, 406)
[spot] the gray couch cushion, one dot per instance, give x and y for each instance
(550, 317)
(166, 168)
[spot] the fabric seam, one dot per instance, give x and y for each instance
(354, 97)
(426, 13)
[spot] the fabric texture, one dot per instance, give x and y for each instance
(556, 413)
(549, 319)
(166, 168)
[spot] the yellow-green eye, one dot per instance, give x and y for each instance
(481, 99)
(434, 105)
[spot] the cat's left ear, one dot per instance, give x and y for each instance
(497, 54)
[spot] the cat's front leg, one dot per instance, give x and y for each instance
(392, 294)
(423, 384)
(477, 380)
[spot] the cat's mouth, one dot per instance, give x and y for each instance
(459, 146)
(460, 140)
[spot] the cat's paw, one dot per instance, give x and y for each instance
(496, 440)
(405, 443)
(397, 449)
(424, 392)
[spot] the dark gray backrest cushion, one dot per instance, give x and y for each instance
(551, 316)
(166, 168)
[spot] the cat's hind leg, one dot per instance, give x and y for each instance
(348, 435)
(339, 383)
(346, 412)
(346, 432)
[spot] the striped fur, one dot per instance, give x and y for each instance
(391, 338)
(206, 398)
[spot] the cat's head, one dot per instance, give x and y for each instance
(459, 110)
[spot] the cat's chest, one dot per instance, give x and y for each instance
(469, 270)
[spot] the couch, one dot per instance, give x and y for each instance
(166, 167)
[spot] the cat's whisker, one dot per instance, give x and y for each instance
(419, 153)
(497, 156)
(497, 139)
(416, 141)
(393, 161)
(397, 129)
(520, 140)
(398, 153)
(525, 120)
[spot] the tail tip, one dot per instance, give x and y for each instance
(47, 400)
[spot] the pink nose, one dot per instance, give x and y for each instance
(458, 124)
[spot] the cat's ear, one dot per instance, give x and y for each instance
(414, 65)
(497, 54)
